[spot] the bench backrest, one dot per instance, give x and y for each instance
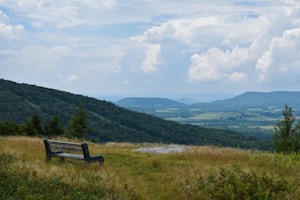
(65, 146)
(53, 146)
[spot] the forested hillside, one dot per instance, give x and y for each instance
(151, 103)
(108, 121)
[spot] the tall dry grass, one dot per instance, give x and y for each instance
(128, 174)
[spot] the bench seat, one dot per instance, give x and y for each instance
(69, 155)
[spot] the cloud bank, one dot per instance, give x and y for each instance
(151, 48)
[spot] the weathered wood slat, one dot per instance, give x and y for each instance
(64, 143)
(67, 149)
(68, 155)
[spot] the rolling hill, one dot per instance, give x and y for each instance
(251, 113)
(108, 121)
(143, 104)
(245, 100)
(254, 100)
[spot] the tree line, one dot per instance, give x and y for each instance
(77, 126)
(286, 136)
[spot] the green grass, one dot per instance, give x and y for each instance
(215, 116)
(198, 173)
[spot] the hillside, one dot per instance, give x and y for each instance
(276, 98)
(108, 121)
(254, 100)
(150, 105)
(245, 100)
(198, 173)
(251, 113)
(144, 103)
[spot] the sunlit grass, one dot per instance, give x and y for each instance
(262, 127)
(129, 174)
(214, 116)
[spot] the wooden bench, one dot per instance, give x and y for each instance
(72, 150)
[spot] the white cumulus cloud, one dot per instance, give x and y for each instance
(217, 65)
(151, 60)
(282, 59)
(238, 77)
(183, 30)
(8, 31)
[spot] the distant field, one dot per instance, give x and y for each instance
(250, 121)
(252, 114)
(262, 127)
(198, 173)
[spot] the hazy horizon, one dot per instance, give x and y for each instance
(187, 98)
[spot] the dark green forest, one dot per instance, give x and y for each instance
(106, 121)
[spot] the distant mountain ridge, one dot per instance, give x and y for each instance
(266, 98)
(151, 102)
(256, 99)
(245, 100)
(108, 121)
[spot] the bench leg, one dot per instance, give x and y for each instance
(101, 160)
(48, 157)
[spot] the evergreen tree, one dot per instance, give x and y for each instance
(32, 126)
(78, 125)
(36, 122)
(286, 136)
(9, 128)
(28, 129)
(296, 138)
(53, 127)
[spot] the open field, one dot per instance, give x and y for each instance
(254, 117)
(250, 122)
(197, 173)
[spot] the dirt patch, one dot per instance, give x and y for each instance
(163, 149)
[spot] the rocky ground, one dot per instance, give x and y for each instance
(163, 149)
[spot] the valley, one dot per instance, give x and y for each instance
(251, 120)
(252, 113)
(108, 122)
(244, 121)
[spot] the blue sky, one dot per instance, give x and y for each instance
(177, 49)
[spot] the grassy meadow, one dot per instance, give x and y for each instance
(198, 173)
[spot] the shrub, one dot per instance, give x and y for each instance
(9, 128)
(287, 135)
(237, 184)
